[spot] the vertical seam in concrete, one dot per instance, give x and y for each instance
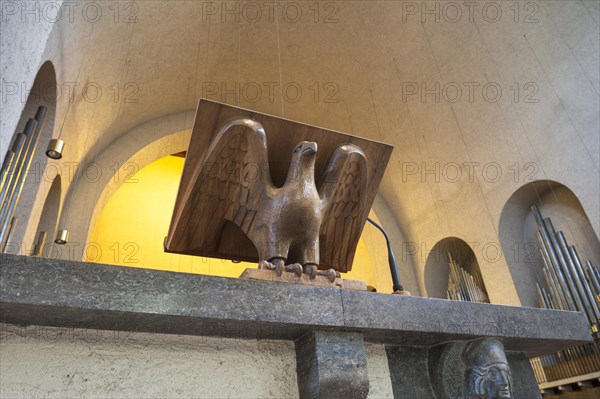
(343, 310)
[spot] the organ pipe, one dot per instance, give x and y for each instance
(568, 284)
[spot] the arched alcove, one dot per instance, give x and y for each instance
(517, 229)
(437, 269)
(50, 211)
(43, 92)
(118, 161)
(130, 226)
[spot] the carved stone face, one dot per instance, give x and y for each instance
(476, 369)
(488, 375)
(492, 382)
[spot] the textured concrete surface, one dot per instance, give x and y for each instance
(380, 383)
(51, 362)
(61, 293)
(23, 51)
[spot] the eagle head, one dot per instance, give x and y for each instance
(305, 150)
(303, 162)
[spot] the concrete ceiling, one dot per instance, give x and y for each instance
(364, 57)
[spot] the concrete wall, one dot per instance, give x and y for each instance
(25, 29)
(57, 363)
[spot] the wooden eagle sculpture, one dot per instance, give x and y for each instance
(293, 225)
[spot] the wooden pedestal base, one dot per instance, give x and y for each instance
(287, 277)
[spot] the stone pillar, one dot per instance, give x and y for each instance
(408, 372)
(331, 364)
(476, 369)
(524, 383)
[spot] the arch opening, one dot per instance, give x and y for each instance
(130, 228)
(517, 229)
(43, 92)
(438, 269)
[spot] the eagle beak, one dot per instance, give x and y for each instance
(309, 148)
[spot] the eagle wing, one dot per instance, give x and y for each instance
(343, 194)
(233, 178)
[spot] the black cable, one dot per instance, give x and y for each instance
(391, 258)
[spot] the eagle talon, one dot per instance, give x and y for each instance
(266, 265)
(277, 264)
(295, 268)
(279, 269)
(330, 274)
(311, 270)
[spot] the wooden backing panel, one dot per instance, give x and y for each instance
(189, 235)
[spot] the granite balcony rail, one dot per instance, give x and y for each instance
(42, 291)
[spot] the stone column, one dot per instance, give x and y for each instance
(331, 364)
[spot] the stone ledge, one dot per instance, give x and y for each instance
(87, 295)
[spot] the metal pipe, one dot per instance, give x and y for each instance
(17, 149)
(535, 363)
(565, 266)
(545, 240)
(593, 277)
(454, 271)
(568, 363)
(551, 293)
(461, 283)
(40, 117)
(472, 287)
(551, 245)
(479, 280)
(6, 164)
(454, 279)
(471, 283)
(547, 299)
(562, 264)
(13, 223)
(587, 358)
(17, 171)
(397, 284)
(558, 287)
(546, 366)
(478, 290)
(464, 282)
(540, 368)
(586, 285)
(579, 289)
(553, 283)
(463, 289)
(556, 300)
(453, 283)
(540, 295)
(39, 246)
(543, 299)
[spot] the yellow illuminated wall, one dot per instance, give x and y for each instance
(132, 226)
